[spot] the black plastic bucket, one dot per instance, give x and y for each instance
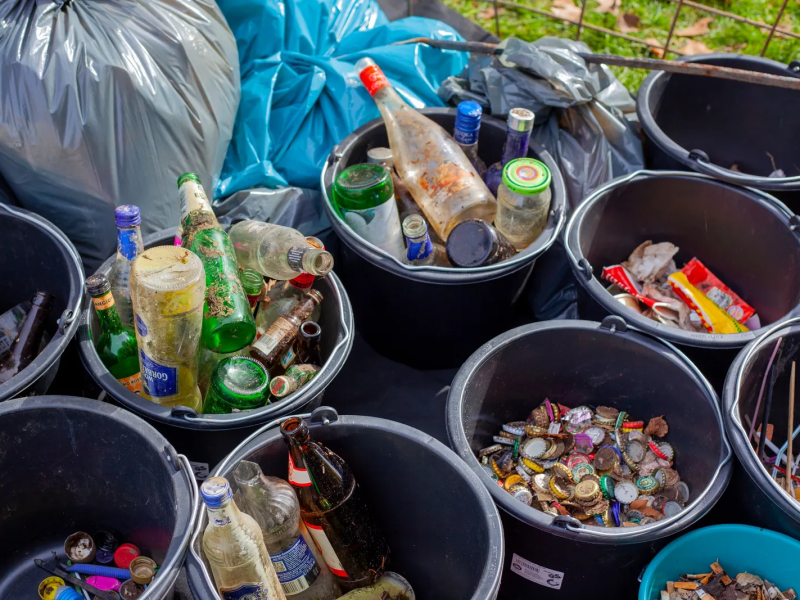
(433, 317)
(442, 527)
(71, 464)
(582, 362)
(38, 256)
(759, 500)
(206, 439)
(708, 124)
(745, 237)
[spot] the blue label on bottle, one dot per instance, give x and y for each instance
(128, 242)
(465, 138)
(419, 248)
(246, 591)
(296, 567)
(159, 380)
(140, 326)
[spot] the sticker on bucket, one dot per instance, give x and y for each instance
(200, 470)
(537, 574)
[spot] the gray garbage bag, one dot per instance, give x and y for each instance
(580, 108)
(106, 103)
(294, 207)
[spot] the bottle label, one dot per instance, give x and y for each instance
(379, 225)
(140, 326)
(465, 138)
(159, 380)
(103, 302)
(325, 547)
(287, 357)
(296, 568)
(128, 242)
(133, 383)
(373, 79)
(419, 248)
(193, 197)
(298, 476)
(246, 591)
(303, 281)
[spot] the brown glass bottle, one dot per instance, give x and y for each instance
(333, 510)
(305, 349)
(283, 331)
(26, 345)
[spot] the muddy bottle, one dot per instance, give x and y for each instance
(270, 346)
(228, 323)
(333, 509)
(273, 504)
(26, 345)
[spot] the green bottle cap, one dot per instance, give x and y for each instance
(187, 177)
(252, 282)
(363, 186)
(526, 176)
(239, 382)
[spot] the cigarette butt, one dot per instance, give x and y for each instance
(706, 579)
(670, 586)
(698, 576)
(716, 568)
(686, 585)
(726, 580)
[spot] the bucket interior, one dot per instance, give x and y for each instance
(576, 366)
(67, 470)
(742, 241)
(700, 113)
(435, 526)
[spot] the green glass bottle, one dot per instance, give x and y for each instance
(116, 346)
(252, 281)
(237, 382)
(228, 323)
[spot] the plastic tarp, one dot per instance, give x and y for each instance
(300, 96)
(104, 103)
(580, 108)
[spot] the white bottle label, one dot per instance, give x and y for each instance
(325, 547)
(379, 226)
(193, 197)
(298, 476)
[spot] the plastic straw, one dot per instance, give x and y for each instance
(789, 455)
(761, 393)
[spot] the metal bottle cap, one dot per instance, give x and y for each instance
(127, 215)
(380, 156)
(520, 119)
(97, 285)
(80, 547)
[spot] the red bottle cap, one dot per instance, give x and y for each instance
(125, 554)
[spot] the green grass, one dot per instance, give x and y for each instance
(725, 35)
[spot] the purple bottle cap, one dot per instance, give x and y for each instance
(127, 215)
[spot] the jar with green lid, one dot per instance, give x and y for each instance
(523, 201)
(364, 195)
(237, 383)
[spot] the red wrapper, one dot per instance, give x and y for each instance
(619, 275)
(716, 291)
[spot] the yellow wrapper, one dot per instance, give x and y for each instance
(714, 319)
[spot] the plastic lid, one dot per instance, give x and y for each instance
(252, 281)
(215, 492)
(127, 215)
(187, 177)
(520, 119)
(377, 156)
(526, 176)
(125, 554)
(240, 380)
(468, 115)
(363, 186)
(97, 285)
(471, 243)
(167, 269)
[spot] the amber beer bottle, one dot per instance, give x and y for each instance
(333, 509)
(26, 345)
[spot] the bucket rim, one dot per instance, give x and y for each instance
(585, 275)
(731, 394)
(695, 159)
(185, 417)
(177, 464)
(67, 322)
(444, 275)
(569, 527)
(325, 416)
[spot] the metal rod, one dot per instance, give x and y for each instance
(496, 20)
(410, 6)
(774, 26)
(580, 20)
(765, 416)
(728, 15)
(672, 27)
(791, 431)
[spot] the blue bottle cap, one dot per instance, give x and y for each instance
(127, 215)
(468, 122)
(215, 492)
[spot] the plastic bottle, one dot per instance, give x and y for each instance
(129, 246)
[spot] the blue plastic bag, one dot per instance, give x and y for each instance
(300, 95)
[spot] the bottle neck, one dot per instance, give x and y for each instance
(107, 313)
(470, 150)
(419, 248)
(129, 242)
(226, 515)
(516, 145)
(389, 101)
(310, 261)
(193, 200)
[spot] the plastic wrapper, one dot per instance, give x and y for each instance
(713, 318)
(300, 95)
(720, 294)
(107, 103)
(580, 108)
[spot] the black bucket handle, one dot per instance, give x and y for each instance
(704, 165)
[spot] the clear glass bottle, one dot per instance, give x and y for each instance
(234, 548)
(273, 504)
(129, 246)
(421, 250)
(277, 252)
(228, 323)
(237, 383)
(466, 131)
(292, 380)
(116, 345)
(364, 196)
(168, 288)
(476, 244)
(523, 201)
(439, 175)
(520, 125)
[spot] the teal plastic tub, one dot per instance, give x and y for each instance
(738, 548)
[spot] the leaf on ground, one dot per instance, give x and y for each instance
(565, 9)
(488, 13)
(735, 47)
(608, 6)
(692, 47)
(699, 27)
(628, 22)
(653, 45)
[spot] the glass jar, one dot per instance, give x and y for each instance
(523, 201)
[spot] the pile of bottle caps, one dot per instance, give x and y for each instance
(597, 465)
(718, 585)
